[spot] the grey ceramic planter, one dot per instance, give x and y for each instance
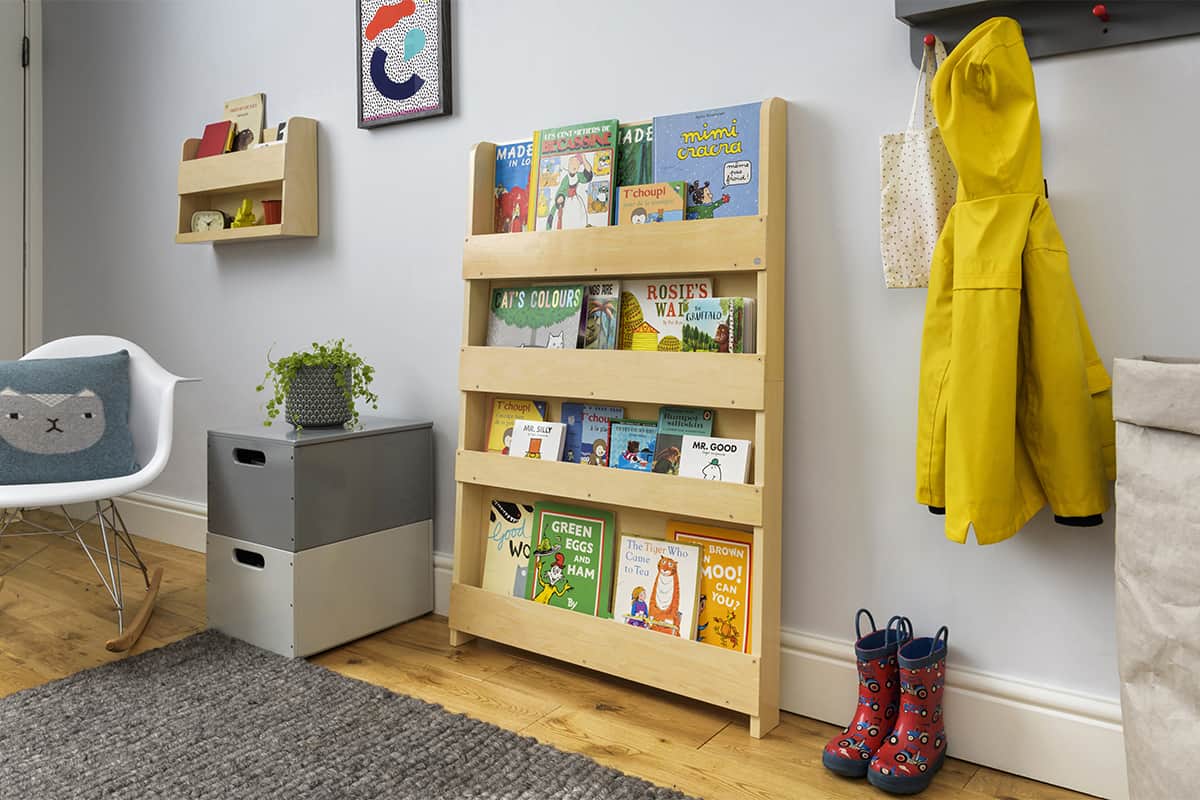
(314, 399)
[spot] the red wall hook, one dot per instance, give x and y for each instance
(1100, 12)
(929, 40)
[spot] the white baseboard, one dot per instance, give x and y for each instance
(1048, 734)
(1045, 733)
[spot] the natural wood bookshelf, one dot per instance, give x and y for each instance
(745, 256)
(286, 171)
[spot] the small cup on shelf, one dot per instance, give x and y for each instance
(271, 211)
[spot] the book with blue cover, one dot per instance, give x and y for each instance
(514, 162)
(587, 432)
(715, 153)
(632, 444)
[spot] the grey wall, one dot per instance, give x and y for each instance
(127, 81)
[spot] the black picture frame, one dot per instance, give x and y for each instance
(362, 72)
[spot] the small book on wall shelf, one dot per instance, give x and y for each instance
(657, 583)
(217, 139)
(571, 563)
(505, 412)
(509, 533)
(714, 459)
(726, 582)
(537, 439)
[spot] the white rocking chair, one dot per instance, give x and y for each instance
(151, 418)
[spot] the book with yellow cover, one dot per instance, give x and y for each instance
(249, 114)
(505, 412)
(726, 582)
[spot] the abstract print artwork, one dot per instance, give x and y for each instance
(403, 61)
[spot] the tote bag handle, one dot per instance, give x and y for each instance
(924, 97)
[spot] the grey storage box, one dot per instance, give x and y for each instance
(321, 536)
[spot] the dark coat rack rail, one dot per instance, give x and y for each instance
(1052, 27)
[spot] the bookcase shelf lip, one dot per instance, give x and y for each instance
(688, 668)
(625, 375)
(230, 172)
(692, 247)
(736, 503)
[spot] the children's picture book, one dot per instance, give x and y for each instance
(719, 325)
(571, 563)
(712, 459)
(714, 152)
(535, 438)
(726, 581)
(635, 153)
(574, 168)
(509, 535)
(587, 432)
(506, 411)
(657, 585)
(632, 443)
(536, 316)
(513, 164)
(248, 114)
(217, 139)
(652, 311)
(602, 315)
(650, 202)
(674, 423)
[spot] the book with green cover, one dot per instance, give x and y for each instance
(635, 153)
(674, 423)
(572, 559)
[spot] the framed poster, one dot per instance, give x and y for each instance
(403, 61)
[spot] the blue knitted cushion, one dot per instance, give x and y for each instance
(65, 419)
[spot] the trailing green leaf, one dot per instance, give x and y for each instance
(332, 355)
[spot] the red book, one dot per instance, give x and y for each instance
(218, 136)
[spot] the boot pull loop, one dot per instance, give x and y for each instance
(943, 635)
(903, 630)
(858, 622)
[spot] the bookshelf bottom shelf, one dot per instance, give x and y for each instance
(705, 672)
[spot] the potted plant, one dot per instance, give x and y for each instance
(317, 388)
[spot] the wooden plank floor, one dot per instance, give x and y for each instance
(54, 620)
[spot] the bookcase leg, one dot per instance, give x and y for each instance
(763, 724)
(459, 638)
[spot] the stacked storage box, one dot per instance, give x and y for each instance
(321, 536)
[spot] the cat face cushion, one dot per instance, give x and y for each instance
(65, 419)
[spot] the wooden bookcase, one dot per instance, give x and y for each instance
(286, 172)
(745, 256)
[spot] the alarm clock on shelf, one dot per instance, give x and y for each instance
(203, 221)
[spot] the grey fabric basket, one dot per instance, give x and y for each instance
(1157, 406)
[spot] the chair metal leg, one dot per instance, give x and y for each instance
(112, 556)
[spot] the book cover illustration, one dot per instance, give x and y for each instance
(571, 563)
(587, 432)
(726, 581)
(537, 439)
(719, 325)
(574, 167)
(674, 423)
(509, 536)
(712, 459)
(249, 114)
(632, 443)
(513, 162)
(656, 585)
(635, 153)
(650, 202)
(505, 412)
(536, 316)
(714, 152)
(652, 312)
(602, 315)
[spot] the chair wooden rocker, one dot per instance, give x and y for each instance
(151, 419)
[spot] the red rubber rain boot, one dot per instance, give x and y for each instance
(850, 752)
(912, 755)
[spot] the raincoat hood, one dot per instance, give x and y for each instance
(986, 107)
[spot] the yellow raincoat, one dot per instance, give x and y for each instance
(1015, 404)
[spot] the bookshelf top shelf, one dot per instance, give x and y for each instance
(699, 247)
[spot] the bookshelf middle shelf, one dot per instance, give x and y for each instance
(716, 380)
(737, 503)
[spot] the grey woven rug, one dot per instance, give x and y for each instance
(213, 717)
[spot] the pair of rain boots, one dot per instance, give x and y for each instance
(897, 738)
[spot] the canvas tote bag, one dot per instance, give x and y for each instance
(1157, 406)
(918, 182)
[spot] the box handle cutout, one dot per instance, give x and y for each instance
(251, 458)
(249, 558)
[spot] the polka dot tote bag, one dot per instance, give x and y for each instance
(917, 182)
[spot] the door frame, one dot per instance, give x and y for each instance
(33, 177)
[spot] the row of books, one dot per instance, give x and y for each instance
(241, 128)
(695, 165)
(679, 442)
(646, 314)
(695, 583)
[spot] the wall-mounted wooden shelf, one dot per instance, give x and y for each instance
(286, 171)
(745, 256)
